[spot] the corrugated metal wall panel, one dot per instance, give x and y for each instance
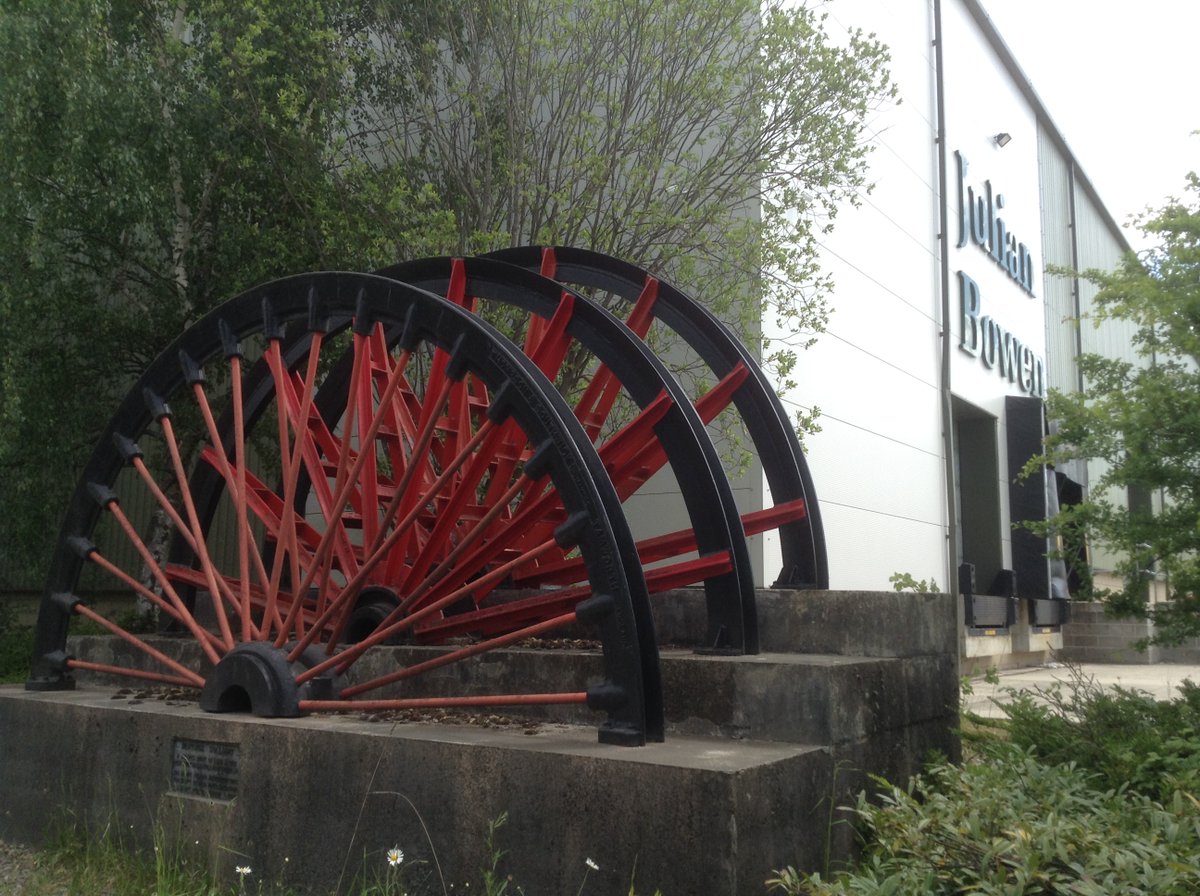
(1061, 326)
(1100, 249)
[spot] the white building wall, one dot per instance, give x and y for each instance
(981, 101)
(876, 376)
(877, 462)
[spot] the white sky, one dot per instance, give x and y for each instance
(1121, 80)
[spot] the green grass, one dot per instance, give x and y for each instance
(16, 645)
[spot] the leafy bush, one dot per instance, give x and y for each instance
(1077, 791)
(1126, 738)
(1013, 825)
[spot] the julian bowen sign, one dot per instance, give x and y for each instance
(982, 224)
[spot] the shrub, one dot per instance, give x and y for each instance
(1011, 824)
(1078, 790)
(1126, 738)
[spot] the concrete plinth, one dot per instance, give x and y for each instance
(693, 815)
(760, 752)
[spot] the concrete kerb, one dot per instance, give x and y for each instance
(1160, 680)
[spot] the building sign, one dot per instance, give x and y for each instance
(983, 336)
(979, 222)
(999, 349)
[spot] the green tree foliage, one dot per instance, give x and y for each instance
(1141, 420)
(159, 157)
(711, 142)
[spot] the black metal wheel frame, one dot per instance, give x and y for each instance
(802, 541)
(732, 622)
(631, 693)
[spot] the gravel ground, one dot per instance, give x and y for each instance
(17, 866)
(16, 863)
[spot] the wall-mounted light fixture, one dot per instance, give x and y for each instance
(1003, 138)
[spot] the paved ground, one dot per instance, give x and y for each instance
(1160, 680)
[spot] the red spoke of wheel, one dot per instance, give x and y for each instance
(393, 625)
(614, 453)
(417, 459)
(234, 477)
(622, 454)
(548, 356)
(189, 576)
(443, 569)
(181, 528)
(486, 430)
(239, 454)
(450, 515)
(671, 575)
(502, 617)
(640, 463)
(310, 432)
(537, 515)
(343, 603)
(366, 462)
(687, 572)
(112, 569)
(371, 417)
(551, 348)
(334, 537)
(193, 678)
(85, 666)
(286, 539)
(461, 653)
(563, 699)
(398, 425)
(343, 484)
(139, 465)
(270, 510)
(178, 608)
(197, 531)
(601, 394)
(720, 396)
(673, 544)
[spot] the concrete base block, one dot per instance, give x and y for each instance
(760, 752)
(307, 801)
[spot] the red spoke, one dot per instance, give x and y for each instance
(418, 460)
(568, 698)
(485, 431)
(138, 588)
(502, 617)
(178, 608)
(342, 605)
(642, 314)
(193, 678)
(286, 545)
(85, 666)
(197, 531)
(439, 573)
(720, 396)
(393, 624)
(234, 481)
(462, 653)
(239, 454)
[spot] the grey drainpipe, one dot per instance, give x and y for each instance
(947, 332)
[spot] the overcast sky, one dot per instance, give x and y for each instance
(1121, 80)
